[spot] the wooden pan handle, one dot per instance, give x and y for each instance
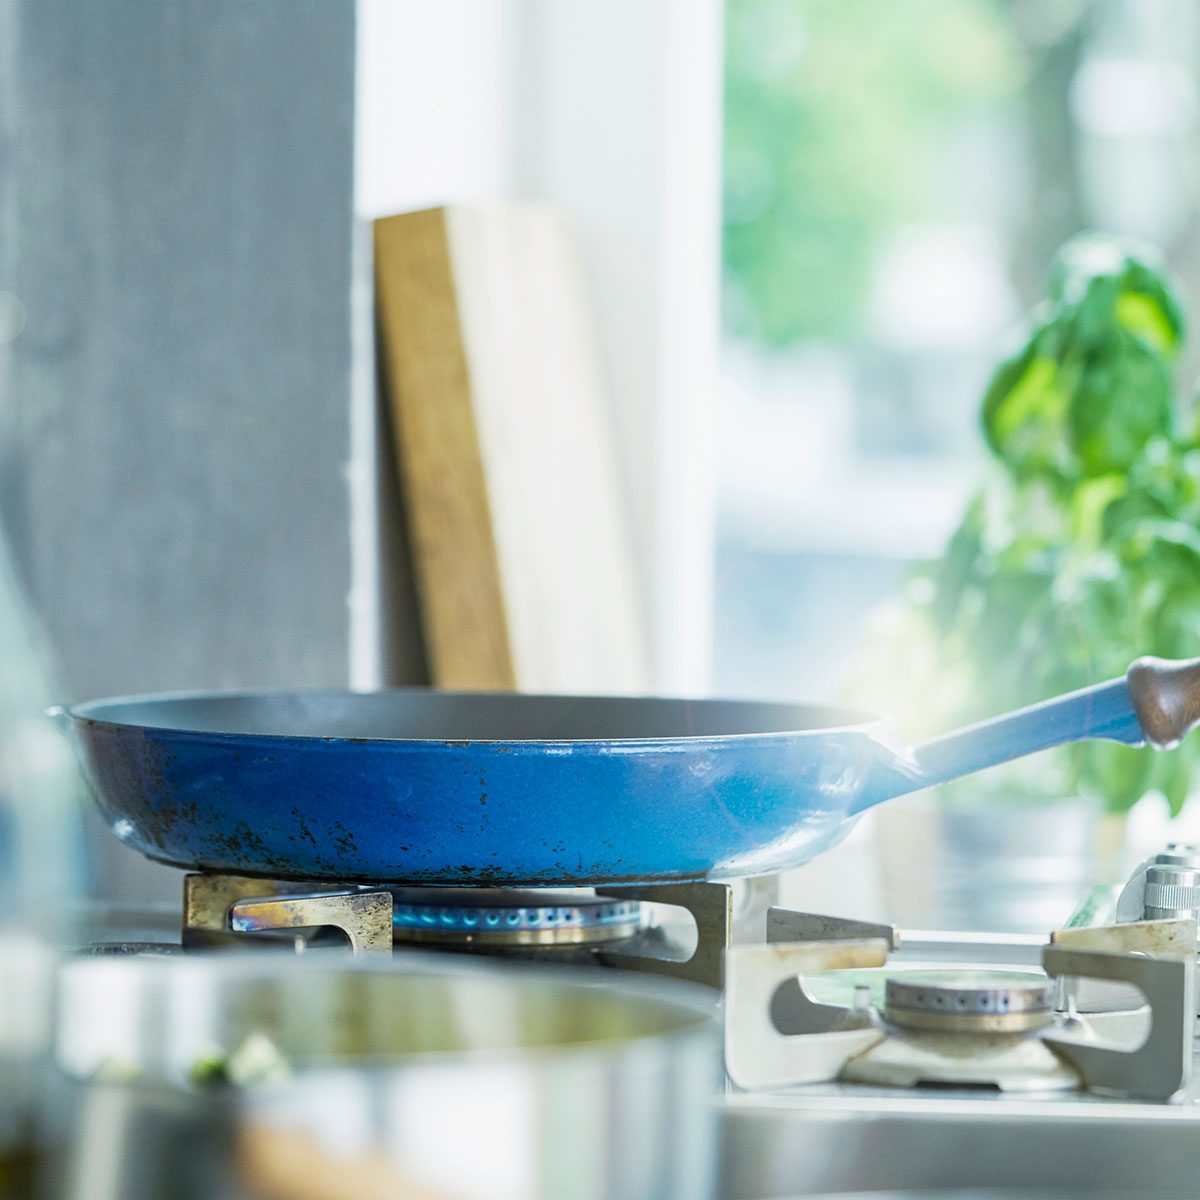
(1166, 698)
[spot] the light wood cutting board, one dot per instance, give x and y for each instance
(522, 549)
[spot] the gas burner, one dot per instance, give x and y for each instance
(967, 1002)
(821, 1003)
(564, 925)
(504, 918)
(969, 1029)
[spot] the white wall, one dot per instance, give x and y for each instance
(437, 97)
(610, 110)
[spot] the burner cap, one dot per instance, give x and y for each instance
(970, 1002)
(507, 917)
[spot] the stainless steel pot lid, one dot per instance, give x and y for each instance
(170, 1018)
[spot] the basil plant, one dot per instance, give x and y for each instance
(1082, 550)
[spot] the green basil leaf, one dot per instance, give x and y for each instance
(1024, 411)
(1123, 399)
(1149, 307)
(1089, 507)
(1163, 546)
(1097, 281)
(1146, 319)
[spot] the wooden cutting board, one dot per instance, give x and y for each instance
(521, 543)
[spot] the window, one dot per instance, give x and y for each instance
(896, 179)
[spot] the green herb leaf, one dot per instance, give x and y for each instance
(1122, 399)
(1024, 410)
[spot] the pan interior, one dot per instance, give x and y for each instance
(425, 715)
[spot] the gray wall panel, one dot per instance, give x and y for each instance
(176, 194)
(176, 411)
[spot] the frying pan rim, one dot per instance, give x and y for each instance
(89, 712)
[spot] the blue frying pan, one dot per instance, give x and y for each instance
(418, 786)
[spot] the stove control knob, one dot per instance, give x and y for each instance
(1171, 891)
(1134, 902)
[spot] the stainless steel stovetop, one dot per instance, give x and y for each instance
(836, 1136)
(1119, 1018)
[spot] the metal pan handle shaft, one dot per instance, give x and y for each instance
(1156, 702)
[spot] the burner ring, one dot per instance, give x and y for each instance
(975, 1003)
(500, 918)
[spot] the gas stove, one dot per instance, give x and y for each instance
(1108, 1009)
(866, 1058)
(858, 1055)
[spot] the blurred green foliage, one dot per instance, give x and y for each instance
(1083, 550)
(836, 112)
